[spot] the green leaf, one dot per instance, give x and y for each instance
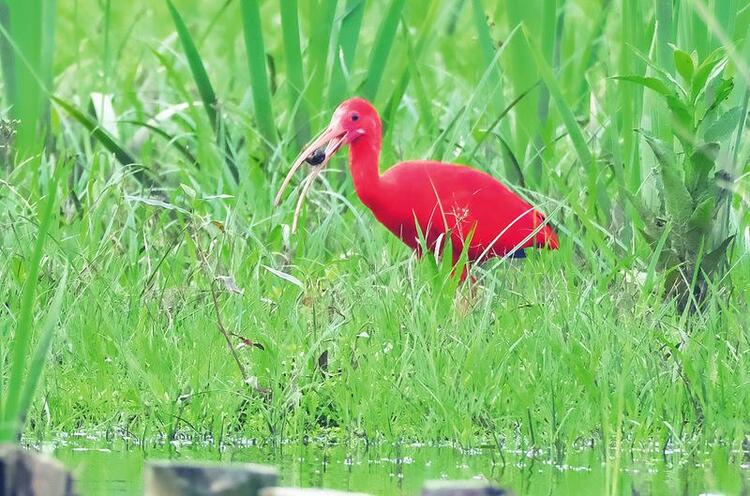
(684, 121)
(656, 258)
(643, 211)
(665, 75)
(705, 73)
(664, 153)
(719, 92)
(188, 191)
(649, 82)
(702, 162)
(684, 64)
(724, 126)
(678, 201)
(715, 259)
(286, 277)
(702, 217)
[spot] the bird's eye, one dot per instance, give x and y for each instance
(355, 116)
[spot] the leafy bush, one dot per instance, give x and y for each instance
(689, 238)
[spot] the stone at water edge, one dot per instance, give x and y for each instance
(296, 491)
(164, 478)
(23, 473)
(463, 488)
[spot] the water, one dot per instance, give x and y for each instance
(117, 469)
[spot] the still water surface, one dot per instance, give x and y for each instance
(116, 469)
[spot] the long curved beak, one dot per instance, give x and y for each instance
(332, 138)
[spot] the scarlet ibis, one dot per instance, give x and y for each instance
(423, 198)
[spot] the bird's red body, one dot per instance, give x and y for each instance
(435, 196)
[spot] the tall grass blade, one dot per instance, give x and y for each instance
(345, 50)
(19, 347)
(171, 139)
(205, 88)
(382, 48)
(543, 136)
(743, 88)
(256, 60)
(699, 33)
(478, 94)
(294, 70)
(107, 140)
(106, 49)
(7, 55)
(49, 16)
(665, 34)
(320, 42)
(590, 53)
(36, 367)
(414, 54)
(630, 95)
(549, 35)
(521, 74)
(574, 130)
(26, 19)
(725, 15)
(486, 45)
(202, 81)
(497, 121)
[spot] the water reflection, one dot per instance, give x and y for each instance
(116, 468)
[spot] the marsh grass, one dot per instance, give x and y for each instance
(25, 349)
(341, 331)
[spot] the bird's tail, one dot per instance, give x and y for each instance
(546, 237)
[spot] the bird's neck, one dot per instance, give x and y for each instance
(364, 156)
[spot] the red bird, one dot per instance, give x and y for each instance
(440, 198)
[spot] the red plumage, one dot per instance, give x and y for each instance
(446, 197)
(435, 196)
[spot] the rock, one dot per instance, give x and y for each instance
(163, 478)
(24, 473)
(295, 491)
(463, 488)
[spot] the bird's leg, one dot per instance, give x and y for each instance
(466, 293)
(466, 299)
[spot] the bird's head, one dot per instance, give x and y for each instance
(352, 119)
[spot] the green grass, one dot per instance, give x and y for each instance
(563, 350)
(23, 30)
(25, 359)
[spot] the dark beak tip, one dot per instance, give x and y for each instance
(317, 157)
